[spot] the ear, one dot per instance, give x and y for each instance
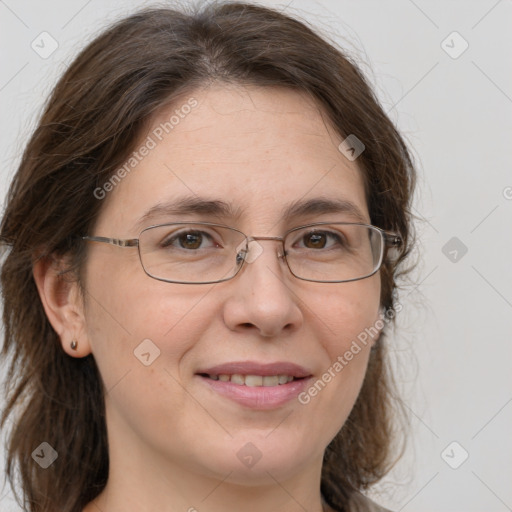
(62, 303)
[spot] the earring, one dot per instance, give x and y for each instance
(73, 345)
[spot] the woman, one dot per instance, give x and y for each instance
(204, 237)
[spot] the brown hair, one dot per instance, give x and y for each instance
(89, 126)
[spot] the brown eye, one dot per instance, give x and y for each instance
(191, 240)
(188, 240)
(315, 240)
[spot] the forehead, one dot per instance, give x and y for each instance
(255, 148)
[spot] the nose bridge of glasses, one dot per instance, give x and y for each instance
(253, 249)
(276, 238)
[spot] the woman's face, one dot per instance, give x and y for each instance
(259, 151)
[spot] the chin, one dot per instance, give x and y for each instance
(258, 460)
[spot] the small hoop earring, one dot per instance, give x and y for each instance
(73, 345)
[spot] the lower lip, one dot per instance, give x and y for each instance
(258, 397)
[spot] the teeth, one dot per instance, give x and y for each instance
(254, 380)
(237, 379)
(270, 380)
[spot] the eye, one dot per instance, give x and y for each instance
(189, 240)
(321, 240)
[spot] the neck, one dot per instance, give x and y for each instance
(204, 495)
(143, 480)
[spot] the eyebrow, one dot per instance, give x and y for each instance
(190, 205)
(195, 205)
(321, 206)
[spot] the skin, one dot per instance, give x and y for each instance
(173, 442)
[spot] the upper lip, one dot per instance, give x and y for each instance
(255, 368)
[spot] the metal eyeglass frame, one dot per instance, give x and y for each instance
(389, 239)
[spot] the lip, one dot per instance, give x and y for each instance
(259, 397)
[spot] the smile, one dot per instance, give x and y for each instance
(254, 380)
(255, 385)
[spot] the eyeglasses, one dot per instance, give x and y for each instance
(204, 252)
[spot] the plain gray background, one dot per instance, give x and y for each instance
(452, 349)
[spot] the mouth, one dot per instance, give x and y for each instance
(252, 381)
(255, 385)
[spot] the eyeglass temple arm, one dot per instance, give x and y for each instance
(132, 242)
(394, 245)
(393, 240)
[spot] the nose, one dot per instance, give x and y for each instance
(262, 296)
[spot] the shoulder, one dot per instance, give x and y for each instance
(358, 503)
(361, 503)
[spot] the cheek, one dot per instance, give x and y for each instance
(346, 318)
(346, 312)
(128, 320)
(126, 308)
